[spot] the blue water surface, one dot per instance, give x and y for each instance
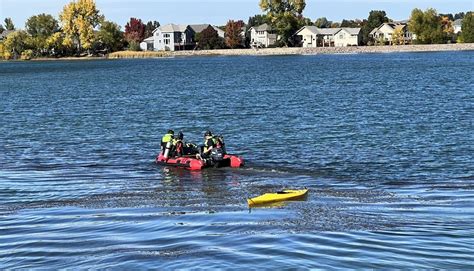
(384, 142)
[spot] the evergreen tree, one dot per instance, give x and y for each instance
(322, 23)
(9, 24)
(150, 27)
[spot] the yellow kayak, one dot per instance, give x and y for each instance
(278, 196)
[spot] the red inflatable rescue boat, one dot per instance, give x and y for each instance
(192, 163)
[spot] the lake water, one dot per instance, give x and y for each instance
(384, 142)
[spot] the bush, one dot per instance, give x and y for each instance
(26, 55)
(7, 55)
(130, 54)
(134, 46)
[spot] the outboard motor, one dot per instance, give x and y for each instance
(217, 154)
(167, 150)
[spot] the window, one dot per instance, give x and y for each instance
(166, 35)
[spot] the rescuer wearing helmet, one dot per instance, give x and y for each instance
(166, 143)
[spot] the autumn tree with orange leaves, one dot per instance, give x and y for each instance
(233, 34)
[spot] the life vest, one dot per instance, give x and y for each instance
(206, 145)
(167, 138)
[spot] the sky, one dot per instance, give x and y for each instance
(218, 12)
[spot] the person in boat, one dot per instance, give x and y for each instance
(178, 145)
(168, 137)
(209, 144)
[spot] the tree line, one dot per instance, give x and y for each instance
(83, 30)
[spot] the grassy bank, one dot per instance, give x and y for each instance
(133, 54)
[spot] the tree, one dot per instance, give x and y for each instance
(375, 19)
(41, 27)
(150, 27)
(15, 44)
(2, 50)
(351, 23)
(305, 21)
(135, 30)
(257, 20)
(233, 33)
(285, 16)
(56, 45)
(9, 24)
(110, 37)
(78, 20)
(209, 39)
(448, 15)
(467, 28)
(1, 30)
(427, 26)
(398, 37)
(459, 15)
(447, 27)
(322, 23)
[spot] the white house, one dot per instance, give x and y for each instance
(311, 36)
(147, 44)
(457, 25)
(385, 32)
(347, 37)
(172, 37)
(262, 35)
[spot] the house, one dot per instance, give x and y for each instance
(385, 31)
(4, 34)
(262, 35)
(147, 44)
(311, 36)
(348, 37)
(172, 37)
(198, 28)
(457, 25)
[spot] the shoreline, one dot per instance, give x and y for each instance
(274, 52)
(329, 50)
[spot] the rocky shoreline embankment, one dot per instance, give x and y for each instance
(329, 50)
